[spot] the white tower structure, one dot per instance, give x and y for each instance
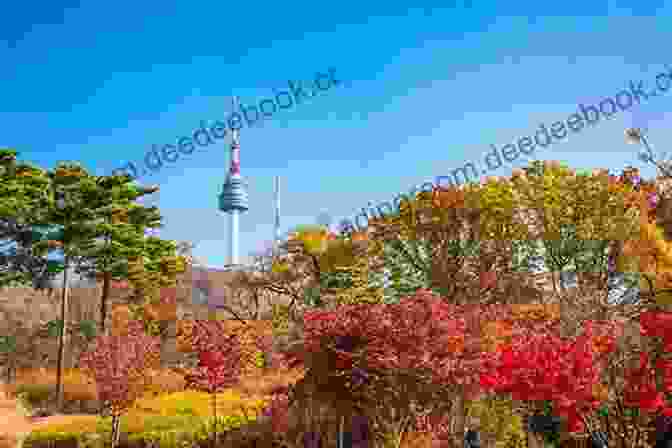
(233, 199)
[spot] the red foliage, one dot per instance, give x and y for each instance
(544, 366)
(420, 334)
(640, 382)
(640, 390)
(118, 364)
(657, 324)
(444, 344)
(220, 357)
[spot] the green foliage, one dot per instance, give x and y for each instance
(312, 296)
(7, 344)
(88, 328)
(54, 328)
(34, 395)
(552, 438)
(162, 429)
(571, 252)
(260, 359)
(409, 267)
(221, 425)
(23, 202)
(37, 439)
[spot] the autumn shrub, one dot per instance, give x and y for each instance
(119, 364)
(162, 381)
(76, 385)
(270, 383)
(416, 439)
(133, 423)
(198, 404)
(41, 440)
(75, 425)
(34, 395)
(254, 336)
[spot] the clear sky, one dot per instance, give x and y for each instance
(424, 89)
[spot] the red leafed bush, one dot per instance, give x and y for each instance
(118, 364)
(220, 357)
(420, 334)
(544, 366)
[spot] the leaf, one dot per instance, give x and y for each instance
(7, 344)
(55, 267)
(664, 297)
(54, 328)
(88, 328)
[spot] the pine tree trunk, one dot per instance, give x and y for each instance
(62, 340)
(107, 277)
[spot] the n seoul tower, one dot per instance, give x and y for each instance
(233, 199)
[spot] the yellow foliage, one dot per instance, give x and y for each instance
(339, 254)
(279, 267)
(314, 240)
(77, 424)
(280, 312)
(168, 411)
(653, 259)
(198, 404)
(499, 422)
(363, 290)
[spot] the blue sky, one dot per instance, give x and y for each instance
(425, 89)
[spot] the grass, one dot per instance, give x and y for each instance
(165, 408)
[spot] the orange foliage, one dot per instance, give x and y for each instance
(536, 312)
(446, 198)
(121, 316)
(249, 333)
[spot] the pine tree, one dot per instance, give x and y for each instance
(23, 202)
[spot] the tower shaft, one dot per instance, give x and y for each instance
(234, 233)
(233, 199)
